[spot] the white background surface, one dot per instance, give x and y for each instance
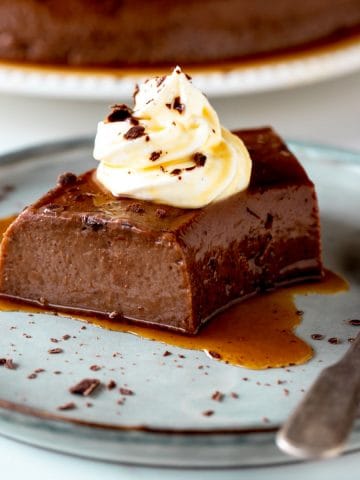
(327, 112)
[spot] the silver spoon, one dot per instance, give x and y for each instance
(320, 425)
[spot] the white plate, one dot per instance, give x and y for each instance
(279, 72)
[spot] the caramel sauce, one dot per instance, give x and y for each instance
(4, 223)
(257, 333)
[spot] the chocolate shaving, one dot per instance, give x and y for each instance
(120, 113)
(125, 391)
(134, 132)
(217, 396)
(86, 387)
(355, 322)
(111, 385)
(9, 364)
(199, 159)
(55, 350)
(234, 395)
(317, 336)
(95, 368)
(177, 105)
(166, 353)
(155, 155)
(2, 361)
(214, 354)
(66, 336)
(334, 340)
(208, 413)
(176, 171)
(66, 178)
(67, 406)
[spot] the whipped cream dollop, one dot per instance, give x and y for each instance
(170, 148)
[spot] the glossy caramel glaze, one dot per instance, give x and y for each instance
(257, 333)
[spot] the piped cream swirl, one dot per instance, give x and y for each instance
(171, 148)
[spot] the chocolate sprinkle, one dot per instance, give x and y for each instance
(9, 364)
(199, 159)
(125, 391)
(85, 387)
(120, 113)
(134, 132)
(176, 171)
(214, 354)
(155, 155)
(55, 350)
(334, 340)
(95, 368)
(355, 322)
(166, 353)
(177, 105)
(66, 178)
(317, 336)
(217, 396)
(67, 406)
(111, 385)
(208, 413)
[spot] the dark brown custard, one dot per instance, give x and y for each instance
(257, 333)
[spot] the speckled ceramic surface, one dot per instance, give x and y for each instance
(162, 422)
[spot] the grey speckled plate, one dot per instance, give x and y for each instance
(162, 423)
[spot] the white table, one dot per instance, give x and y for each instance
(328, 112)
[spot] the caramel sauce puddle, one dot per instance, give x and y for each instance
(257, 333)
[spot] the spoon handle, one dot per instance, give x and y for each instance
(320, 425)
